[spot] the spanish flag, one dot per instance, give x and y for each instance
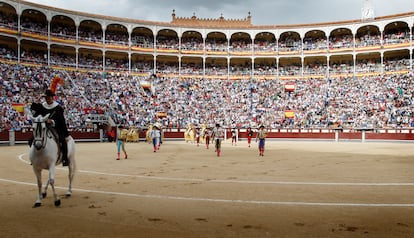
(289, 114)
(290, 87)
(146, 84)
(19, 107)
(161, 114)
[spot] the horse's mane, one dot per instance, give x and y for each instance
(37, 109)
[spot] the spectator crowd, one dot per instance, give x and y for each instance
(377, 101)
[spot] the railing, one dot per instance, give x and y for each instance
(333, 134)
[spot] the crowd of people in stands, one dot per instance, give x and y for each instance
(87, 61)
(290, 43)
(377, 101)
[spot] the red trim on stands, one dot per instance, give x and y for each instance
(326, 134)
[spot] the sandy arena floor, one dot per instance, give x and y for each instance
(298, 189)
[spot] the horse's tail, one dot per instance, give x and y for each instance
(71, 153)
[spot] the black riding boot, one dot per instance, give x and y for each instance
(30, 141)
(65, 161)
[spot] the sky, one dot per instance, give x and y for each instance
(263, 12)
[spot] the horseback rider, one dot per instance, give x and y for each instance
(56, 120)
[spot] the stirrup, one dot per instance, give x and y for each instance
(65, 162)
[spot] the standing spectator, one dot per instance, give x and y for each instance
(121, 135)
(207, 136)
(249, 135)
(155, 136)
(261, 136)
(218, 136)
(110, 134)
(197, 134)
(233, 137)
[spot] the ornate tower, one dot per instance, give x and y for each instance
(367, 11)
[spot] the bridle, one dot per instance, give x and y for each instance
(40, 131)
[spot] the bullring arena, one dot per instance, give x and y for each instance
(298, 189)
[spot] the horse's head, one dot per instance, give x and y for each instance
(39, 130)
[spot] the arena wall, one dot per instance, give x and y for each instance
(278, 57)
(283, 134)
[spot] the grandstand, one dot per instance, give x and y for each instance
(349, 74)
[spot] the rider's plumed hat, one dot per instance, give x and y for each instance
(48, 93)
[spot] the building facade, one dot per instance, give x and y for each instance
(216, 48)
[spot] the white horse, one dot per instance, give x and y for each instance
(44, 154)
